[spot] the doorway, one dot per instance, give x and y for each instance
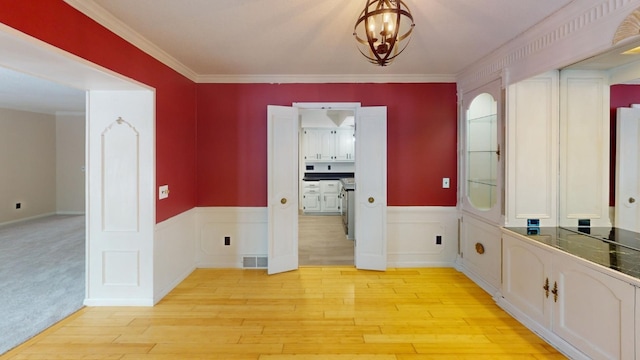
(370, 186)
(326, 155)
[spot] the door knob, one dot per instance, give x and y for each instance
(631, 200)
(371, 200)
(283, 201)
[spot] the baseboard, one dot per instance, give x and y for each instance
(70, 213)
(118, 302)
(27, 218)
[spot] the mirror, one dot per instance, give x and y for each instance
(622, 71)
(482, 152)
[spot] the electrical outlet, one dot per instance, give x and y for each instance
(18, 205)
(445, 183)
(438, 240)
(227, 240)
(163, 192)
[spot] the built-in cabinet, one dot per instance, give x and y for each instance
(328, 144)
(321, 196)
(480, 251)
(561, 295)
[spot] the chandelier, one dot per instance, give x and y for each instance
(383, 30)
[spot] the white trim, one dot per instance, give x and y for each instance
(579, 30)
(118, 302)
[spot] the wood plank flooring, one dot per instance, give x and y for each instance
(322, 241)
(313, 313)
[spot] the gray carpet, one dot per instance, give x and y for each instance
(42, 267)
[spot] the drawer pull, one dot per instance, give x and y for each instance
(555, 291)
(479, 248)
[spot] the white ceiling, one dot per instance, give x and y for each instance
(249, 37)
(212, 39)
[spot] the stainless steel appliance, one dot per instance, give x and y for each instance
(348, 206)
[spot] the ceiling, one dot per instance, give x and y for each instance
(211, 39)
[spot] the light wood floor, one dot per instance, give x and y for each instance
(322, 241)
(312, 313)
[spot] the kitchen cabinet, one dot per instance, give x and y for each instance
(321, 196)
(344, 145)
(330, 195)
(572, 299)
(329, 144)
(311, 196)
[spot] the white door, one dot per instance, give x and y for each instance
(627, 215)
(371, 188)
(282, 193)
(121, 197)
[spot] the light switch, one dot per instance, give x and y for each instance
(163, 192)
(445, 183)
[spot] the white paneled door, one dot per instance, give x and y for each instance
(627, 215)
(371, 188)
(282, 193)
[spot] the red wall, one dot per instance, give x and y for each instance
(232, 138)
(57, 23)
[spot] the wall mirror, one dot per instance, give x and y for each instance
(621, 69)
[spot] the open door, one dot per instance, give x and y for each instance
(371, 188)
(627, 215)
(282, 193)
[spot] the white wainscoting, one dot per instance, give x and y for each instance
(174, 252)
(411, 233)
(246, 227)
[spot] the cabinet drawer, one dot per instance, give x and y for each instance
(330, 186)
(311, 185)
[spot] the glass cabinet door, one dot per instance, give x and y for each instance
(482, 152)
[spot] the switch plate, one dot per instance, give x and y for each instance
(163, 192)
(445, 183)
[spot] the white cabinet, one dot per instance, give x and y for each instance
(311, 196)
(584, 307)
(344, 145)
(321, 196)
(526, 271)
(330, 195)
(329, 144)
(480, 249)
(592, 311)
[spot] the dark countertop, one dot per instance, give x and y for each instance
(326, 176)
(614, 248)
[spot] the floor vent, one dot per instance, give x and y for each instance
(254, 262)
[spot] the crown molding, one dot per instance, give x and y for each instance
(569, 35)
(104, 18)
(320, 79)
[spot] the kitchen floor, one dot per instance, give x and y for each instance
(322, 241)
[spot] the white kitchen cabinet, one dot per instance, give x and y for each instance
(311, 196)
(321, 196)
(330, 195)
(317, 144)
(328, 144)
(569, 299)
(344, 145)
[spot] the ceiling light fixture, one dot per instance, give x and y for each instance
(383, 30)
